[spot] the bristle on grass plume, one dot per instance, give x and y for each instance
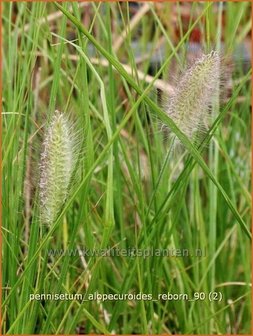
(56, 167)
(197, 89)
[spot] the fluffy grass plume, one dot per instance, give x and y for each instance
(190, 102)
(56, 167)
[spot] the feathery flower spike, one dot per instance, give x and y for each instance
(190, 102)
(56, 167)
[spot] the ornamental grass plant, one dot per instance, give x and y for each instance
(113, 211)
